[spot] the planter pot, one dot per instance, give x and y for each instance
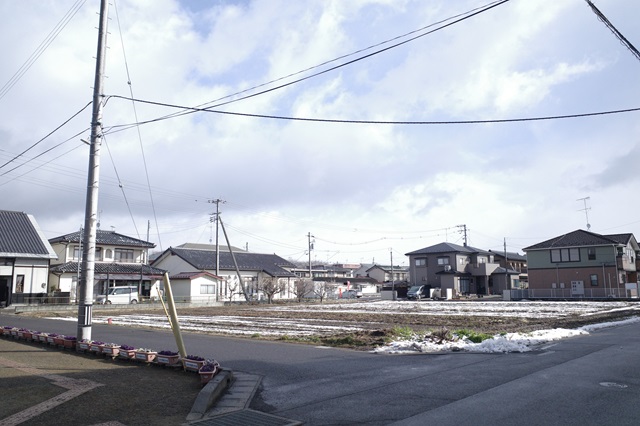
(21, 334)
(145, 356)
(168, 359)
(14, 333)
(35, 337)
(111, 350)
(58, 341)
(97, 349)
(192, 365)
(69, 344)
(83, 346)
(42, 338)
(206, 376)
(126, 354)
(51, 340)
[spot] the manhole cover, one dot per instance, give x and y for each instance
(613, 385)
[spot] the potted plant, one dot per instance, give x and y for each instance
(167, 357)
(24, 333)
(54, 339)
(126, 352)
(84, 344)
(144, 354)
(209, 369)
(111, 349)
(193, 363)
(42, 337)
(35, 336)
(96, 346)
(69, 342)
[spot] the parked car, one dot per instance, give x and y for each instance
(120, 295)
(418, 292)
(351, 294)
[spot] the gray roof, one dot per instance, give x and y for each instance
(193, 274)
(20, 236)
(510, 255)
(387, 268)
(581, 238)
(110, 268)
(447, 248)
(104, 238)
(272, 264)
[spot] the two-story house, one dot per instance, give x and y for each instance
(584, 264)
(119, 261)
(465, 269)
(24, 259)
(388, 274)
(516, 262)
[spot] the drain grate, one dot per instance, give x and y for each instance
(246, 417)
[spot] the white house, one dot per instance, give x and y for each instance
(119, 261)
(24, 259)
(254, 269)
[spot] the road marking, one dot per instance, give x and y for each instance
(76, 387)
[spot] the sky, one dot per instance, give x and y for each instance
(360, 192)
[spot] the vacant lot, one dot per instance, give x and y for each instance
(365, 325)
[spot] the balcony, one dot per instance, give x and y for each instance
(481, 269)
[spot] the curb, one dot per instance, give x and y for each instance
(210, 394)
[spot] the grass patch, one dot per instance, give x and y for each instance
(402, 333)
(473, 336)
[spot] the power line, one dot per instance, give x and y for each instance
(465, 16)
(613, 29)
(41, 48)
(331, 120)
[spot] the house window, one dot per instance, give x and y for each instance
(443, 261)
(98, 255)
(592, 254)
(19, 283)
(482, 260)
(421, 261)
(108, 254)
(207, 289)
(76, 253)
(565, 255)
(594, 279)
(461, 260)
(124, 255)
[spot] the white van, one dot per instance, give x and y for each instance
(120, 295)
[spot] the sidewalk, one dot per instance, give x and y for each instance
(40, 385)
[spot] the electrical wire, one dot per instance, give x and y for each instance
(331, 120)
(41, 48)
(618, 34)
(465, 16)
(135, 113)
(41, 140)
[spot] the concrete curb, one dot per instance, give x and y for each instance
(210, 393)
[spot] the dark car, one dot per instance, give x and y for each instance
(418, 292)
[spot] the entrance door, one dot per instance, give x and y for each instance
(5, 291)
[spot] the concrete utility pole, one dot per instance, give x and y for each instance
(464, 231)
(85, 304)
(309, 236)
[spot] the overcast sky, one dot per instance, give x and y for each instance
(365, 192)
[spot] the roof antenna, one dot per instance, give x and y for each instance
(586, 210)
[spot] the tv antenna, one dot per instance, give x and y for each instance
(586, 210)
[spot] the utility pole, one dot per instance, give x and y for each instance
(393, 281)
(309, 236)
(506, 264)
(217, 201)
(464, 231)
(85, 304)
(233, 257)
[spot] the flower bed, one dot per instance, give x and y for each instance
(111, 349)
(126, 352)
(193, 363)
(69, 342)
(146, 355)
(168, 358)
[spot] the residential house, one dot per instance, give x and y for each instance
(253, 269)
(584, 264)
(25, 256)
(465, 269)
(516, 262)
(388, 274)
(195, 287)
(119, 261)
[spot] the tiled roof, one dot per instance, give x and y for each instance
(272, 264)
(620, 238)
(445, 248)
(20, 236)
(578, 238)
(510, 255)
(104, 238)
(192, 275)
(110, 268)
(387, 268)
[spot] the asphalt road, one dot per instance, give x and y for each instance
(586, 380)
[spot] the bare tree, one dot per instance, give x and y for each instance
(301, 287)
(321, 289)
(232, 287)
(270, 286)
